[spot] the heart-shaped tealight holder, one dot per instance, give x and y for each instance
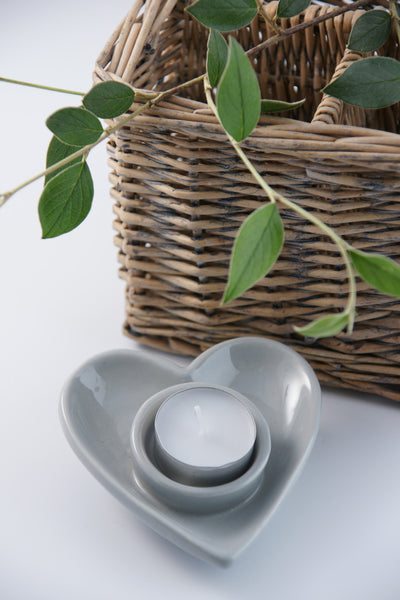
(105, 396)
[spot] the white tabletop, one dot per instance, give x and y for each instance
(336, 536)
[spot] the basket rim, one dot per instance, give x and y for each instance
(387, 140)
(386, 143)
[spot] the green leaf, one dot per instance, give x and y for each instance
(216, 56)
(109, 99)
(372, 82)
(224, 15)
(370, 31)
(57, 151)
(238, 95)
(257, 246)
(271, 106)
(381, 272)
(66, 200)
(325, 326)
(75, 126)
(291, 8)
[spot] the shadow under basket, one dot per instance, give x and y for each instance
(181, 194)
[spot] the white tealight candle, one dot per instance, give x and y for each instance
(204, 435)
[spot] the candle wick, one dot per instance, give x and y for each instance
(200, 421)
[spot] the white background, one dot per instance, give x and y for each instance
(62, 536)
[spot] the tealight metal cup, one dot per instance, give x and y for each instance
(220, 472)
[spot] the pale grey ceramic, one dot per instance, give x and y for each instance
(100, 400)
(189, 498)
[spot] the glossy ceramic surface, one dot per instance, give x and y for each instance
(101, 399)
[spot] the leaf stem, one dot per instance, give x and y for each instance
(267, 18)
(42, 87)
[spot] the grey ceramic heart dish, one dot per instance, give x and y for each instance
(100, 401)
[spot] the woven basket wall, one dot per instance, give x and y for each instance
(181, 193)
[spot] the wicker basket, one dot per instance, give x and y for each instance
(181, 193)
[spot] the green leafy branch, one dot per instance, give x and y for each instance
(61, 155)
(243, 12)
(260, 238)
(68, 191)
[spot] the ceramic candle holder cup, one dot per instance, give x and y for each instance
(192, 498)
(204, 436)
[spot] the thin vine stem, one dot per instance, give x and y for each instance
(41, 87)
(285, 33)
(274, 196)
(343, 248)
(79, 153)
(261, 9)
